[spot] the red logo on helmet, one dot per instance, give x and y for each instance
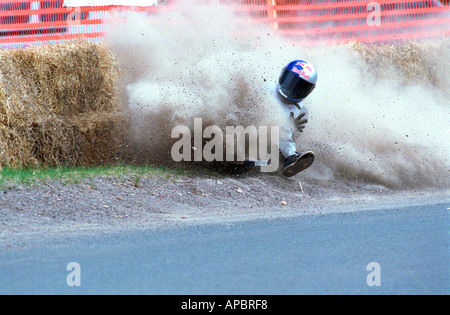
(301, 72)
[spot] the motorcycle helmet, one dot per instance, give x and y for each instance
(297, 80)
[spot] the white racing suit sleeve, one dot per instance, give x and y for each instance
(287, 145)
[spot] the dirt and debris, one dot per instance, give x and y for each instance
(107, 203)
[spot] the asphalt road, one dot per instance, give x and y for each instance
(319, 254)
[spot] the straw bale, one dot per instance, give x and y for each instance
(414, 61)
(65, 79)
(85, 140)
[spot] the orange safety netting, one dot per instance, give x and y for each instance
(23, 22)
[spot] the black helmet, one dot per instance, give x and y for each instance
(297, 80)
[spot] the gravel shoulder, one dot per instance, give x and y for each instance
(102, 204)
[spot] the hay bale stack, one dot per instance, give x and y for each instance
(58, 105)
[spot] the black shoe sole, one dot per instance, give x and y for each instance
(302, 163)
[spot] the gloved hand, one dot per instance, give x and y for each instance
(300, 121)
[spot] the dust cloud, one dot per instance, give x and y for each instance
(202, 61)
